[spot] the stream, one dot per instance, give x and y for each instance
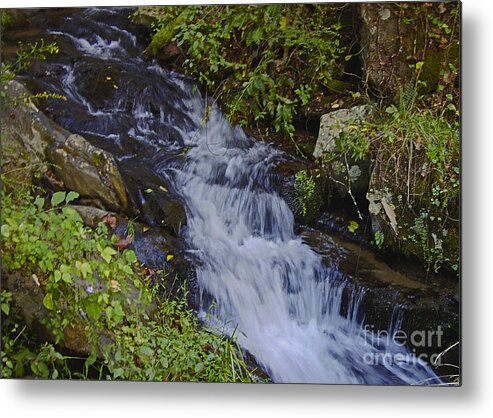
(257, 279)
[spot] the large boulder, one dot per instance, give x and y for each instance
(81, 166)
(345, 172)
(90, 171)
(338, 122)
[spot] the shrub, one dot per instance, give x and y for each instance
(263, 62)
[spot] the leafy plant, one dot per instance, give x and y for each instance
(379, 238)
(416, 158)
(305, 186)
(26, 54)
(294, 54)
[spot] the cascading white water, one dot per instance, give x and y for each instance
(265, 282)
(266, 285)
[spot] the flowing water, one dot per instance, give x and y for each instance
(265, 285)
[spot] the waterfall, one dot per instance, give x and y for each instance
(257, 278)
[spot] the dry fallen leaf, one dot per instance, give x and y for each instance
(124, 242)
(389, 211)
(114, 286)
(110, 220)
(36, 279)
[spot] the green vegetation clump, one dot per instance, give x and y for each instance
(263, 62)
(99, 297)
(415, 177)
(305, 186)
(5, 19)
(422, 150)
(25, 55)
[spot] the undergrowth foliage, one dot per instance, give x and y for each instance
(416, 168)
(294, 54)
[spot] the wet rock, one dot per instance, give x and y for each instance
(168, 211)
(91, 172)
(167, 256)
(81, 166)
(157, 204)
(306, 190)
(387, 295)
(26, 124)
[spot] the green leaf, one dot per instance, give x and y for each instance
(67, 278)
(71, 196)
(48, 301)
(130, 256)
(90, 360)
(40, 368)
(85, 269)
(5, 308)
(199, 367)
(117, 373)
(39, 202)
(146, 351)
(107, 253)
(57, 198)
(5, 231)
(353, 226)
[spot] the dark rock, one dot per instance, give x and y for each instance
(81, 166)
(91, 172)
(289, 184)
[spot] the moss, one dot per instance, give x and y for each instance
(98, 159)
(430, 74)
(165, 34)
